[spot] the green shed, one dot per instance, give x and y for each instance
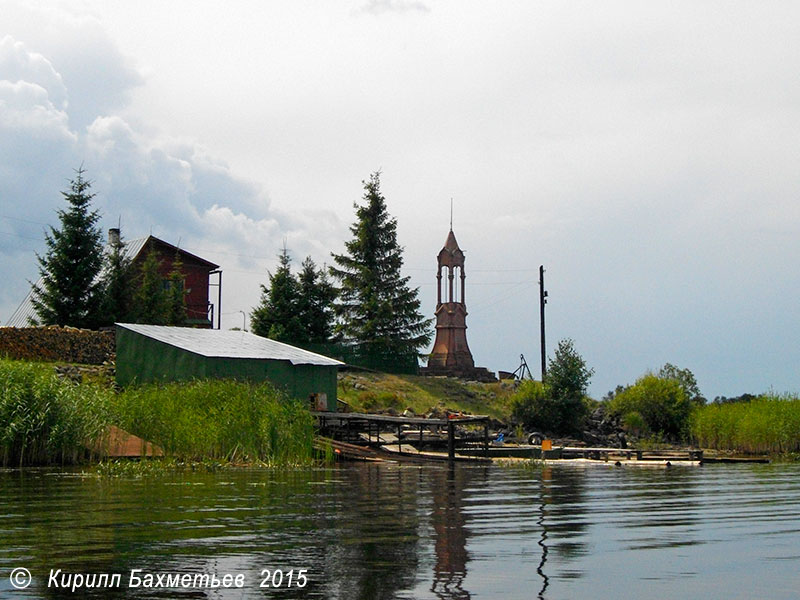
(157, 353)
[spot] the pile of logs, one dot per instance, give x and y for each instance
(57, 344)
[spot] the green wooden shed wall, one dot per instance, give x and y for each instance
(147, 353)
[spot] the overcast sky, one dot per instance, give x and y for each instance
(648, 154)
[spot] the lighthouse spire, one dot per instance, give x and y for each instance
(451, 214)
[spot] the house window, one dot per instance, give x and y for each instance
(166, 284)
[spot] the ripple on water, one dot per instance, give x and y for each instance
(382, 531)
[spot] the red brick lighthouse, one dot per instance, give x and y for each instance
(451, 354)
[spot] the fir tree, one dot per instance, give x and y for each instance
(71, 290)
(175, 294)
(376, 308)
(276, 316)
(117, 284)
(149, 299)
(315, 303)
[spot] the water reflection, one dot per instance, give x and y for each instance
(386, 531)
(374, 552)
(450, 533)
(546, 477)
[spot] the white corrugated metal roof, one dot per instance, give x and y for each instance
(132, 248)
(229, 344)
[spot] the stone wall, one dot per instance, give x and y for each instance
(57, 344)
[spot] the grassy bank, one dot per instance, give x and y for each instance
(45, 420)
(373, 392)
(769, 424)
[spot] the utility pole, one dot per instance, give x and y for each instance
(542, 302)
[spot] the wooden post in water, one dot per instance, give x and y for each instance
(451, 441)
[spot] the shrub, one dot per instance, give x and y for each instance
(660, 402)
(532, 406)
(535, 406)
(567, 375)
(634, 423)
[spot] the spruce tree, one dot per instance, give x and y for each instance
(175, 295)
(376, 308)
(315, 303)
(276, 316)
(117, 284)
(149, 300)
(71, 290)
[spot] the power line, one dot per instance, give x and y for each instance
(508, 295)
(24, 237)
(477, 270)
(23, 220)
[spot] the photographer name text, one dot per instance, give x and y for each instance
(139, 578)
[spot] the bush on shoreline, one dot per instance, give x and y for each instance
(653, 405)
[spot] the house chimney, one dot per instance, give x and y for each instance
(113, 236)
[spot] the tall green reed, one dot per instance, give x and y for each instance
(219, 419)
(45, 420)
(768, 424)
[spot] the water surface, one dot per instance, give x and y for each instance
(376, 531)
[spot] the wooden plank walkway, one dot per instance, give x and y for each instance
(387, 452)
(352, 426)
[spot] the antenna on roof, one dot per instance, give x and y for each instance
(451, 214)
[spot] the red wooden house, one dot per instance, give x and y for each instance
(201, 312)
(197, 271)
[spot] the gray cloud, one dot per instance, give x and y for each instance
(150, 183)
(644, 152)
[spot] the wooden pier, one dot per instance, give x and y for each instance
(366, 430)
(363, 436)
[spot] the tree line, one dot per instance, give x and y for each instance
(85, 284)
(363, 300)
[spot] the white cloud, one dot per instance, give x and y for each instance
(27, 106)
(380, 7)
(151, 183)
(18, 64)
(98, 77)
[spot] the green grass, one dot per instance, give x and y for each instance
(219, 420)
(45, 420)
(372, 392)
(768, 424)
